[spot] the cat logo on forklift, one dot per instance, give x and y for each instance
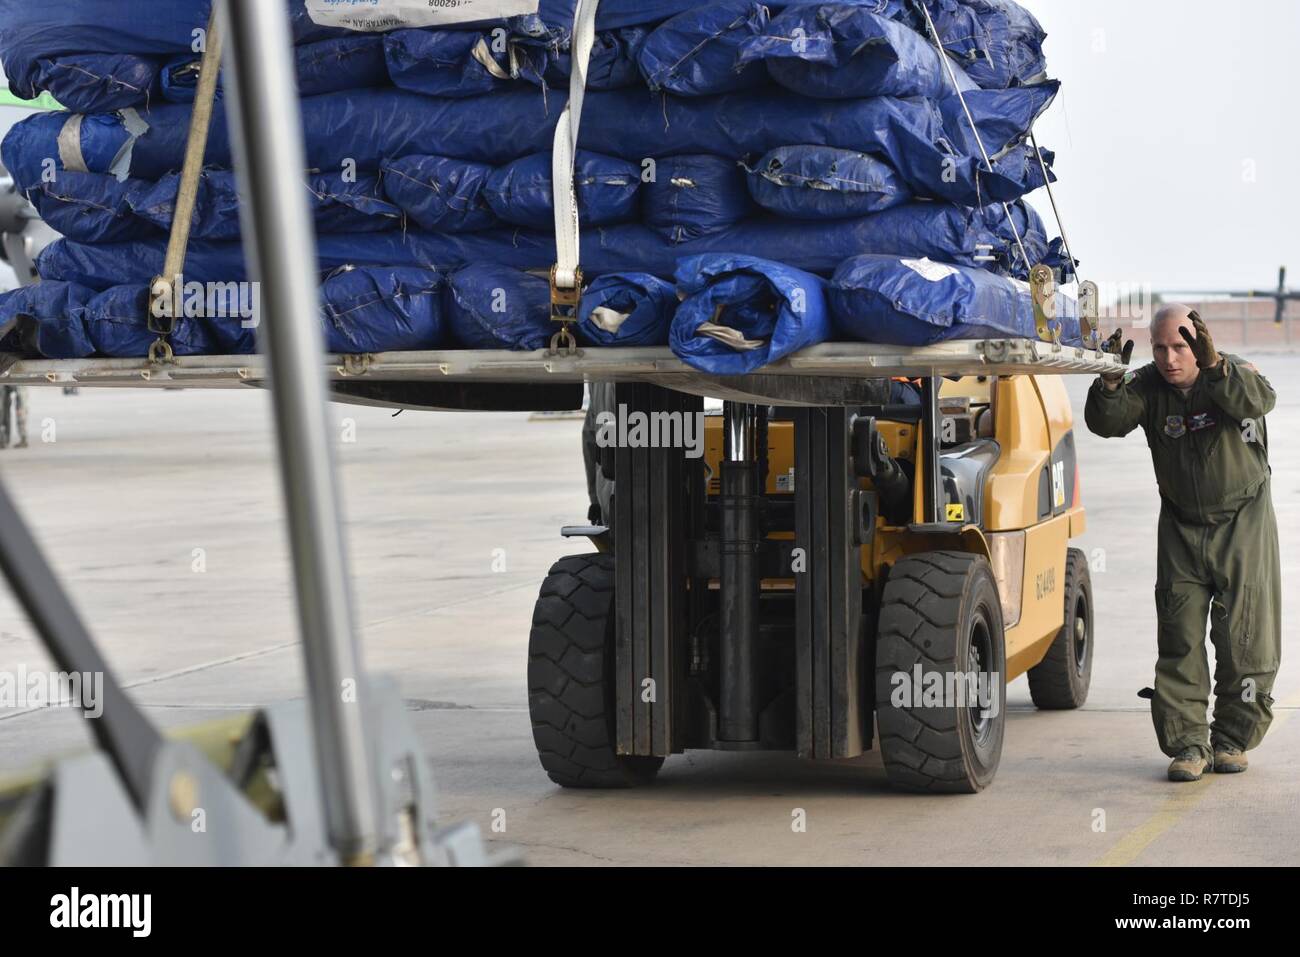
(956, 512)
(1058, 484)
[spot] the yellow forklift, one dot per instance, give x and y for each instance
(821, 580)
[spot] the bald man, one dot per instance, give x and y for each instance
(1217, 549)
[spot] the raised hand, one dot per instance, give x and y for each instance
(1202, 345)
(1116, 345)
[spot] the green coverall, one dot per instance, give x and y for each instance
(1217, 547)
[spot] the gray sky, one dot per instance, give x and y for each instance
(1177, 137)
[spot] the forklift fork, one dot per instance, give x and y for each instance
(656, 507)
(834, 518)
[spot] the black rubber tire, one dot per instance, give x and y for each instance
(1061, 680)
(936, 607)
(571, 679)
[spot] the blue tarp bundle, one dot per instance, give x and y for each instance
(104, 82)
(845, 50)
(818, 182)
(462, 63)
(102, 55)
(627, 309)
(163, 27)
(695, 195)
(117, 321)
(928, 143)
(912, 302)
(841, 113)
(613, 63)
(363, 310)
(346, 204)
(458, 196)
(166, 27)
(47, 319)
(330, 66)
(741, 313)
(216, 207)
(91, 82)
(439, 193)
(98, 208)
(496, 307)
(696, 53)
(327, 66)
(234, 330)
(998, 42)
(938, 231)
(93, 207)
(369, 310)
(521, 192)
(455, 63)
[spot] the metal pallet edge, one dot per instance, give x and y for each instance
(845, 360)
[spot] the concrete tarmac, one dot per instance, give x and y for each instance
(161, 511)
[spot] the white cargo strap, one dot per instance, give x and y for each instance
(567, 274)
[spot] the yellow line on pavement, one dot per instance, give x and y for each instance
(1186, 797)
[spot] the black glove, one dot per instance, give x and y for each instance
(1116, 345)
(1202, 345)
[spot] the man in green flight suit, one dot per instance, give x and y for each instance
(1217, 546)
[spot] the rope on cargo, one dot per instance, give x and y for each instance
(1047, 181)
(566, 274)
(943, 55)
(1040, 277)
(169, 283)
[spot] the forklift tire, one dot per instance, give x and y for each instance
(940, 610)
(1060, 681)
(571, 679)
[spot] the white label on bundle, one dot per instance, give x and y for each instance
(928, 269)
(376, 16)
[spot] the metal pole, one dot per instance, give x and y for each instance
(933, 498)
(266, 129)
(121, 731)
